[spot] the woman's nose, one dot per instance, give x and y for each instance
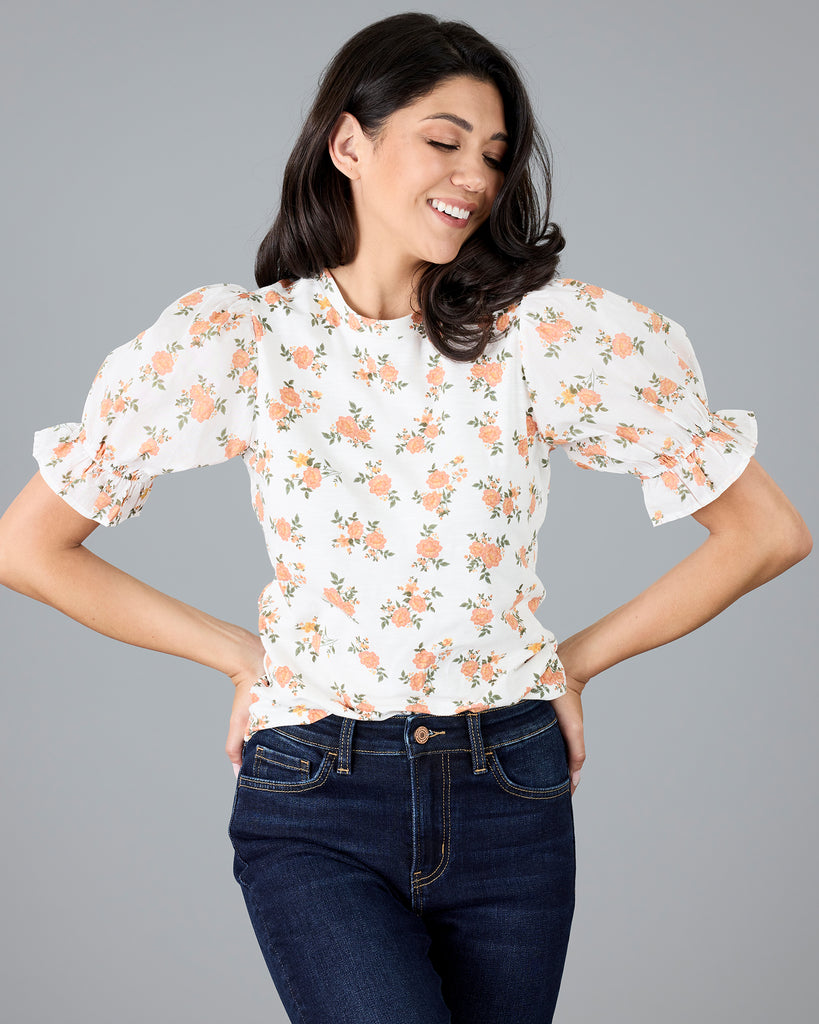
(470, 174)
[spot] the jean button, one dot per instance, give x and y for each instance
(421, 734)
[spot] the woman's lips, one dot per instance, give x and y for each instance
(454, 222)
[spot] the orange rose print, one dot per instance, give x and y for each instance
(203, 404)
(380, 484)
(402, 500)
(162, 362)
(303, 357)
(621, 345)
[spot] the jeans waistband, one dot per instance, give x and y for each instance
(416, 735)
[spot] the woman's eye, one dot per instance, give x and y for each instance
(495, 164)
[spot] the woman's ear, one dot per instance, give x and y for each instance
(344, 145)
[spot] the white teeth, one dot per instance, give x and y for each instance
(453, 211)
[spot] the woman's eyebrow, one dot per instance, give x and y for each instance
(467, 127)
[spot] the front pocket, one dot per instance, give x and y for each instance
(267, 764)
(534, 767)
(278, 762)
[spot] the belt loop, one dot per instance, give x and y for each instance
(344, 745)
(476, 742)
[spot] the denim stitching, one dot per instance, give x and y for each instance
(446, 846)
(249, 782)
(419, 753)
(526, 736)
(476, 742)
(415, 845)
(524, 791)
(342, 741)
(345, 744)
(259, 756)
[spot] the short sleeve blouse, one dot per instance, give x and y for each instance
(618, 387)
(400, 493)
(181, 394)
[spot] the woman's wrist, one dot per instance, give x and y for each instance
(243, 653)
(570, 651)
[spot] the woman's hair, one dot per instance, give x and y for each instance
(381, 69)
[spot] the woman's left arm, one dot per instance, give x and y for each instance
(754, 534)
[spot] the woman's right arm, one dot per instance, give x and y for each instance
(180, 394)
(42, 556)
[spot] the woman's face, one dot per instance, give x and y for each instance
(444, 149)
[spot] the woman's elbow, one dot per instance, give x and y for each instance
(37, 527)
(759, 522)
(5, 571)
(17, 560)
(12, 566)
(798, 542)
(781, 541)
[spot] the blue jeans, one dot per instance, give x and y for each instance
(414, 870)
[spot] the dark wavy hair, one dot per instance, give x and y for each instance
(384, 67)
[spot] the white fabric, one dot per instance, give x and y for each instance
(400, 492)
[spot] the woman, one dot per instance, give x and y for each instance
(407, 737)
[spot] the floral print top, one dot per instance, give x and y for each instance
(400, 492)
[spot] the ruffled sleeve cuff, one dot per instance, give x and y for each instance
(89, 481)
(699, 473)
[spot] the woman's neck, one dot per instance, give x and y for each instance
(373, 289)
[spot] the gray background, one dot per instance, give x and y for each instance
(146, 145)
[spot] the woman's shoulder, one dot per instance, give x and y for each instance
(203, 296)
(209, 297)
(567, 298)
(287, 295)
(211, 315)
(201, 317)
(570, 290)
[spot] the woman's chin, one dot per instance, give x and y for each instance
(441, 254)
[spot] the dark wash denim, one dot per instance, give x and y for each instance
(414, 870)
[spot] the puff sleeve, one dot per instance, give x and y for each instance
(181, 394)
(618, 387)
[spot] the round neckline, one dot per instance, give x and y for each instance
(332, 288)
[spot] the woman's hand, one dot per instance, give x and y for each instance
(240, 712)
(569, 711)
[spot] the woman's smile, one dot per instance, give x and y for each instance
(452, 212)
